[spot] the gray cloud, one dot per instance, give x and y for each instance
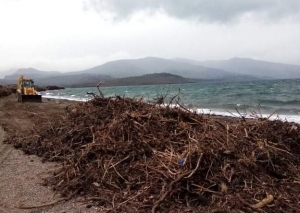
(203, 10)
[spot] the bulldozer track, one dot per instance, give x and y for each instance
(5, 149)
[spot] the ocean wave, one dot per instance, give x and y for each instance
(66, 98)
(261, 98)
(279, 103)
(275, 116)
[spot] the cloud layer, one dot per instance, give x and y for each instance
(203, 10)
(69, 35)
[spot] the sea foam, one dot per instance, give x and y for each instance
(287, 118)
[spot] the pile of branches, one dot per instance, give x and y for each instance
(7, 90)
(124, 155)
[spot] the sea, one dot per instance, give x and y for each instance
(273, 99)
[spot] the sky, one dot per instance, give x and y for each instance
(71, 35)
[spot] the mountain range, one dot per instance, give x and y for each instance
(247, 66)
(180, 70)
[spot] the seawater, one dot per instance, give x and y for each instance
(277, 99)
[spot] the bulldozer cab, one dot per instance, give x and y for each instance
(27, 83)
(27, 87)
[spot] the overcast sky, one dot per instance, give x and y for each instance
(69, 35)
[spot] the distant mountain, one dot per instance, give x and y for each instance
(138, 67)
(233, 69)
(45, 78)
(31, 73)
(246, 66)
(149, 79)
(121, 69)
(70, 80)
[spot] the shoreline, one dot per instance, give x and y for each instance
(22, 176)
(150, 146)
(216, 112)
(220, 137)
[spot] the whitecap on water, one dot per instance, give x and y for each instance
(288, 118)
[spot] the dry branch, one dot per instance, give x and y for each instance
(147, 157)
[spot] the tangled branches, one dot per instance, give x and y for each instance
(124, 155)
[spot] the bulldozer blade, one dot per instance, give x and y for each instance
(31, 98)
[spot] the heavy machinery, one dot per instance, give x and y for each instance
(26, 91)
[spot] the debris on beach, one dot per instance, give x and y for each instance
(7, 90)
(125, 155)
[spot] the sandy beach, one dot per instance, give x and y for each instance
(104, 134)
(22, 176)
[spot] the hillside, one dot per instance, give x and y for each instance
(123, 69)
(137, 67)
(31, 73)
(129, 72)
(69, 80)
(150, 79)
(246, 66)
(43, 78)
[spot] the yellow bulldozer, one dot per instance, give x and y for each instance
(26, 91)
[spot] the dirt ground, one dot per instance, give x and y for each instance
(21, 176)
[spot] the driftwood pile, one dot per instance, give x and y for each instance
(124, 155)
(7, 90)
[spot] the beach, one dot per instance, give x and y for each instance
(278, 99)
(226, 144)
(22, 176)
